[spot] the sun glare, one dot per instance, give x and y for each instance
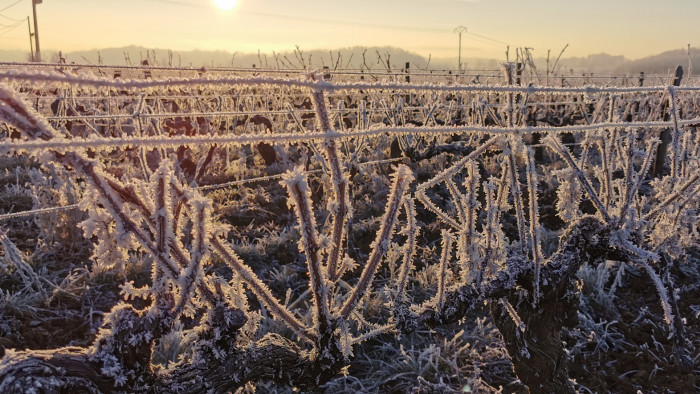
(226, 5)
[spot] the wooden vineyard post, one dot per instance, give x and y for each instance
(679, 76)
(666, 133)
(407, 96)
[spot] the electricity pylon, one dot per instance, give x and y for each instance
(459, 30)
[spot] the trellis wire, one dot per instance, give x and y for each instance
(227, 140)
(41, 211)
(85, 80)
(262, 70)
(276, 112)
(161, 141)
(204, 188)
(398, 72)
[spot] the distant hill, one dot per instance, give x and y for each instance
(654, 64)
(374, 57)
(665, 61)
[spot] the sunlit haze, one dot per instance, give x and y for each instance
(633, 28)
(226, 5)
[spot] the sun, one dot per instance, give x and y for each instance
(226, 5)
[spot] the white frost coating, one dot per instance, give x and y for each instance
(447, 239)
(339, 205)
(199, 254)
(373, 333)
(410, 247)
(425, 200)
(455, 168)
(535, 246)
(513, 315)
(92, 81)
(163, 222)
(676, 135)
(143, 217)
(14, 258)
(402, 177)
(468, 236)
(492, 238)
(674, 196)
(569, 195)
(663, 293)
(300, 199)
(556, 146)
(107, 144)
(15, 111)
(515, 142)
(639, 177)
(467, 205)
(458, 199)
(259, 288)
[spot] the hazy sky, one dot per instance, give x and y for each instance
(634, 28)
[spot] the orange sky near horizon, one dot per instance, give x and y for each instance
(619, 27)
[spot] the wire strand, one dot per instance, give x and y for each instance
(204, 188)
(11, 5)
(12, 19)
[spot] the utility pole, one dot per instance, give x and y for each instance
(459, 30)
(31, 43)
(37, 58)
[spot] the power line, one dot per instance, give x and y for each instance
(7, 28)
(11, 5)
(334, 21)
(183, 3)
(306, 19)
(4, 25)
(16, 22)
(487, 38)
(311, 19)
(11, 19)
(477, 39)
(348, 23)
